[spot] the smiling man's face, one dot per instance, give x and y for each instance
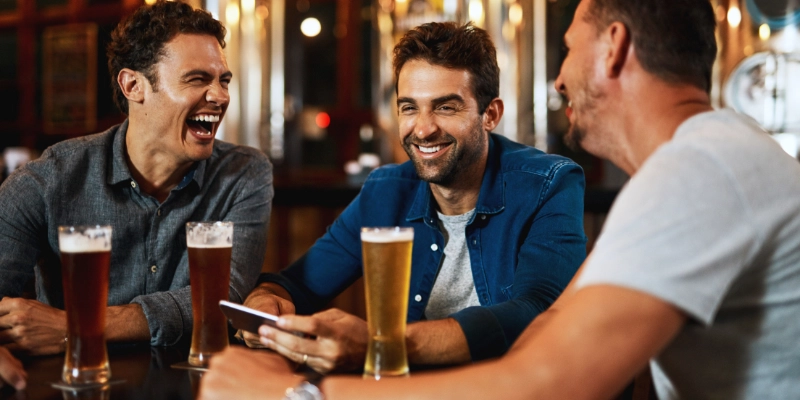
(440, 124)
(190, 98)
(576, 81)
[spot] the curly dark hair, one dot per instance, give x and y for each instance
(453, 46)
(138, 41)
(674, 39)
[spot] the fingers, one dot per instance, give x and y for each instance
(310, 325)
(252, 340)
(315, 360)
(11, 370)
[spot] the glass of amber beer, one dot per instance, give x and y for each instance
(387, 270)
(85, 259)
(209, 245)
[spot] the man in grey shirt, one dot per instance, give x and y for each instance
(146, 178)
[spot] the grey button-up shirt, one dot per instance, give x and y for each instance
(86, 181)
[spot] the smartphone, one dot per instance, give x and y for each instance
(248, 319)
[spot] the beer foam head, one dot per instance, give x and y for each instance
(207, 235)
(84, 239)
(387, 235)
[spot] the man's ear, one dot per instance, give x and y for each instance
(132, 84)
(619, 40)
(492, 115)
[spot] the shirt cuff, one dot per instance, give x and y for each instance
(485, 335)
(168, 316)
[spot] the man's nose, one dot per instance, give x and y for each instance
(559, 84)
(425, 126)
(217, 94)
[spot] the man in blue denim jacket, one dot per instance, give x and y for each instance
(498, 228)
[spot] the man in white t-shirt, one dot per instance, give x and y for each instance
(697, 269)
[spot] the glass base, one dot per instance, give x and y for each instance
(379, 376)
(86, 376)
(200, 359)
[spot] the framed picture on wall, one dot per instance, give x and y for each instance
(69, 78)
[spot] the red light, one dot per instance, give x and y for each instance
(323, 120)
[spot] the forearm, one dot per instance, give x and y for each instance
(487, 380)
(127, 323)
(436, 342)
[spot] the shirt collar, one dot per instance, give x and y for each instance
(491, 199)
(119, 165)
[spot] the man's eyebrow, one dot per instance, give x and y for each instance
(406, 100)
(205, 74)
(449, 97)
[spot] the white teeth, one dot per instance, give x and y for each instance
(205, 118)
(433, 149)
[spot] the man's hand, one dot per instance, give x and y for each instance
(30, 327)
(269, 298)
(238, 373)
(11, 370)
(340, 344)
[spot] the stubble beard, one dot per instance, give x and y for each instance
(460, 157)
(577, 131)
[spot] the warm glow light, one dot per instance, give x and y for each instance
(515, 14)
(232, 14)
(323, 120)
(476, 11)
(150, 2)
(764, 32)
(734, 16)
(248, 6)
(310, 27)
(262, 12)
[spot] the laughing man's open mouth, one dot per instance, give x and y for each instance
(202, 123)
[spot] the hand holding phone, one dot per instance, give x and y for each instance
(248, 319)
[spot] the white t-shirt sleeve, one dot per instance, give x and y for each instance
(680, 231)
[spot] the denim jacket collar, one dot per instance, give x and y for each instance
(491, 199)
(118, 167)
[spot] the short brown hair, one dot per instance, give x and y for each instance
(454, 46)
(674, 39)
(138, 41)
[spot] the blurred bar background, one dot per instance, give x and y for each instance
(313, 88)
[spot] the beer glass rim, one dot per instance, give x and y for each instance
(79, 228)
(386, 228)
(209, 223)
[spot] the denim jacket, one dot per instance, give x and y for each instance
(525, 242)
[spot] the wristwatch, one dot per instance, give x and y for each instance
(306, 390)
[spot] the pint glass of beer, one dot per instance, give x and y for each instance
(387, 270)
(85, 259)
(209, 245)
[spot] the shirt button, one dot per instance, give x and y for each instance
(158, 212)
(133, 184)
(474, 241)
(418, 298)
(483, 217)
(434, 247)
(153, 269)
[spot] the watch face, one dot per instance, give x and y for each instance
(766, 86)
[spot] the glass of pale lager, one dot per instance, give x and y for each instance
(85, 260)
(209, 245)
(387, 270)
